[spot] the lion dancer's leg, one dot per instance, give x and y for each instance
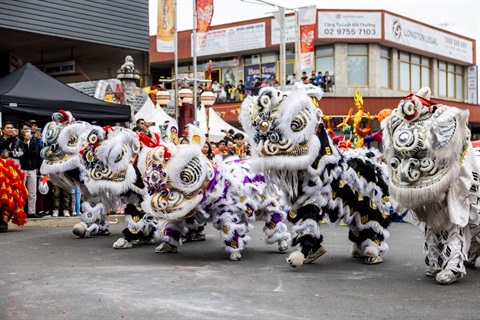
(368, 232)
(233, 233)
(474, 251)
(93, 219)
(170, 236)
(307, 235)
(275, 229)
(446, 251)
(139, 226)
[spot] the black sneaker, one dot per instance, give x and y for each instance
(3, 226)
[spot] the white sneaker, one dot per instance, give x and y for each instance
(66, 213)
(55, 213)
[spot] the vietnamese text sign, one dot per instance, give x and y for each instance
(236, 39)
(290, 30)
(424, 38)
(472, 84)
(350, 25)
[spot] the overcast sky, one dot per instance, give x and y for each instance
(458, 16)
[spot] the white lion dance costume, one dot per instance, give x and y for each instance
(434, 172)
(293, 150)
(102, 163)
(187, 190)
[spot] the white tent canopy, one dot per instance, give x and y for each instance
(150, 113)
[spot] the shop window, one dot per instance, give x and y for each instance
(324, 59)
(450, 80)
(357, 64)
(413, 71)
(269, 57)
(385, 67)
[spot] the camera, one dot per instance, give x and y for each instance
(223, 130)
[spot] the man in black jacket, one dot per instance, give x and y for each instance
(10, 146)
(29, 164)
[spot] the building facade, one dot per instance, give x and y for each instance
(383, 55)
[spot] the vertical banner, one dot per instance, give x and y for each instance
(204, 18)
(307, 17)
(165, 26)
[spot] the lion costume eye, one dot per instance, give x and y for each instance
(155, 177)
(192, 172)
(51, 135)
(72, 141)
(92, 138)
(300, 122)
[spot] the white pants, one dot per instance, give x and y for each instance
(31, 184)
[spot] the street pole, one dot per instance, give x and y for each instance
(194, 60)
(283, 48)
(297, 44)
(175, 48)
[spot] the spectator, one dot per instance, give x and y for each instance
(319, 80)
(304, 78)
(229, 150)
(272, 80)
(228, 88)
(61, 199)
(183, 140)
(265, 83)
(213, 146)
(28, 163)
(229, 135)
(10, 146)
(239, 146)
(221, 146)
(327, 82)
(143, 127)
(216, 89)
(241, 90)
(222, 94)
(256, 86)
(248, 86)
(294, 79)
(207, 149)
(312, 79)
(185, 131)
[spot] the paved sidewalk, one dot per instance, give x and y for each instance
(50, 221)
(49, 274)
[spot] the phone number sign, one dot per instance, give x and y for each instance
(350, 25)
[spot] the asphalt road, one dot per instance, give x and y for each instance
(48, 273)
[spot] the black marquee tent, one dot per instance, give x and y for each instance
(29, 92)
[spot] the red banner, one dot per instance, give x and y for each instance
(204, 18)
(307, 17)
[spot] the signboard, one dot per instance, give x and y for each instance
(60, 68)
(424, 38)
(350, 25)
(472, 84)
(165, 26)
(236, 39)
(290, 30)
(268, 69)
(252, 71)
